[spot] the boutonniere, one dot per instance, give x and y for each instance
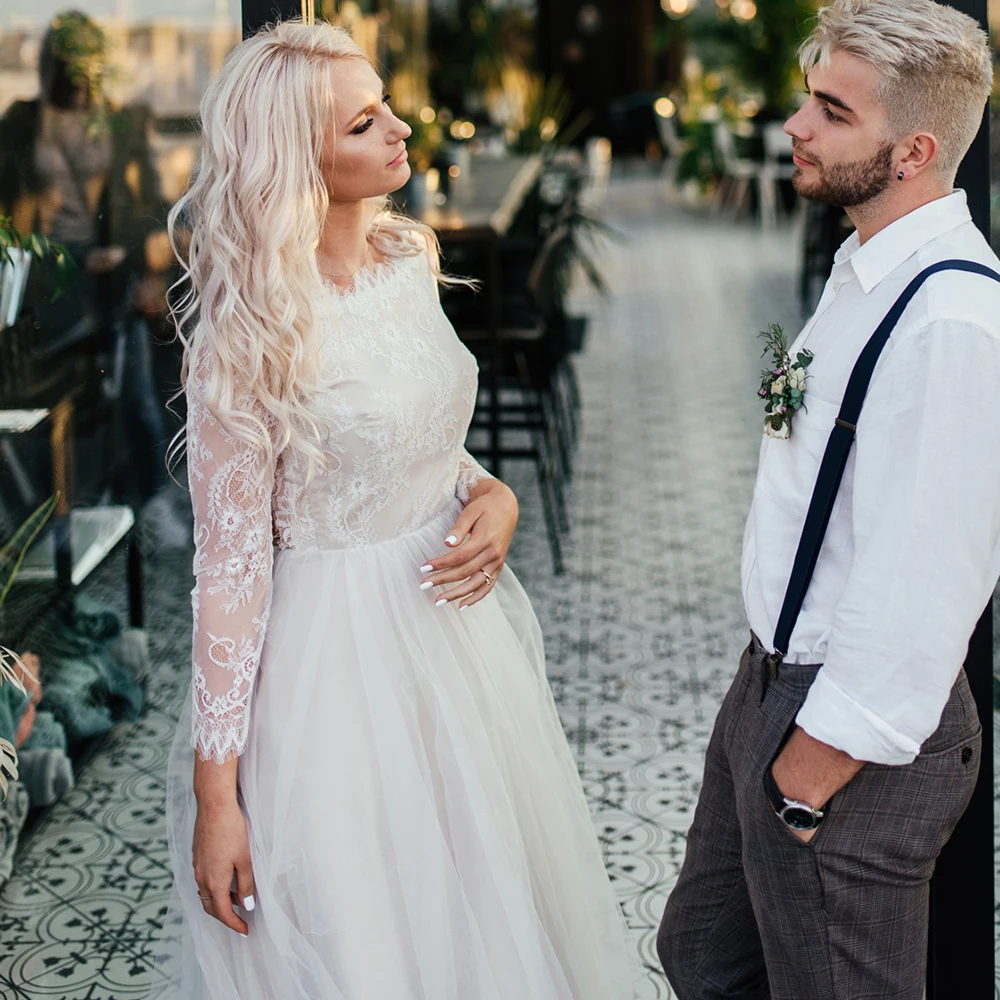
(783, 385)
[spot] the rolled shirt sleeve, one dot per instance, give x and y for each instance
(926, 515)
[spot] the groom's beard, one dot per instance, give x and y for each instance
(848, 184)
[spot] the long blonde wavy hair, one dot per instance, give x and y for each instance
(252, 219)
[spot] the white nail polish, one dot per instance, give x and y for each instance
(438, 604)
(451, 540)
(427, 569)
(464, 607)
(427, 584)
(249, 903)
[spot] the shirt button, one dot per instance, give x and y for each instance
(836, 286)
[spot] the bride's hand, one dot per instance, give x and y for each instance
(480, 539)
(222, 851)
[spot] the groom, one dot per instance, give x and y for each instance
(837, 771)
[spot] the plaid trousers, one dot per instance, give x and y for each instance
(758, 914)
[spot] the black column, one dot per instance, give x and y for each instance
(257, 13)
(961, 930)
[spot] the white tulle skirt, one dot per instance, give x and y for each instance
(417, 826)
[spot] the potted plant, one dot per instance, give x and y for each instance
(570, 245)
(16, 252)
(12, 669)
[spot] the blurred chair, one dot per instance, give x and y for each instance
(739, 174)
(673, 145)
(597, 166)
(777, 167)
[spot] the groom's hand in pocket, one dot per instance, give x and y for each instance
(479, 541)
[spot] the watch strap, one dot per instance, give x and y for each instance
(774, 795)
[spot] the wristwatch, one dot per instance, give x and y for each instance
(795, 815)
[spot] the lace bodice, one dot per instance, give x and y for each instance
(397, 394)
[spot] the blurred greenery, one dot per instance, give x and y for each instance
(470, 43)
(40, 248)
(424, 142)
(545, 122)
(761, 52)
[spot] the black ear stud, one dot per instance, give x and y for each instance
(901, 175)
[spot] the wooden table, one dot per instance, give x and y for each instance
(482, 204)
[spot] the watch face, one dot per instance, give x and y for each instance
(798, 819)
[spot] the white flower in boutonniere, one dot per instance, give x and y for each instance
(783, 385)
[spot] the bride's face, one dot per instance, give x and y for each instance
(365, 151)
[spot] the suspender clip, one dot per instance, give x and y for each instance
(774, 661)
(847, 427)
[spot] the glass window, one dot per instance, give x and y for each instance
(98, 137)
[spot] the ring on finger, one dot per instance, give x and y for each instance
(490, 580)
(204, 899)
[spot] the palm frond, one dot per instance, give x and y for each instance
(8, 765)
(12, 669)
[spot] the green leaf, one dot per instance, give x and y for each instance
(12, 554)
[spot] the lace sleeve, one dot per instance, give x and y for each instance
(231, 599)
(470, 473)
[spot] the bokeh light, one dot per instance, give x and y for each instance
(665, 107)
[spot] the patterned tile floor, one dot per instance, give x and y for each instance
(643, 631)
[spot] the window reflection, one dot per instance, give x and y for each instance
(98, 138)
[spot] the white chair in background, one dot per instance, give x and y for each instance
(597, 157)
(673, 147)
(777, 168)
(739, 174)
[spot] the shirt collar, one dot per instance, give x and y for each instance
(885, 251)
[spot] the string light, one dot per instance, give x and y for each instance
(743, 10)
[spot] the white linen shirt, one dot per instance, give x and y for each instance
(912, 553)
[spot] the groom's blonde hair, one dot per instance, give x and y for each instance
(936, 64)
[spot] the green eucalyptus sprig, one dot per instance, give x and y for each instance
(783, 385)
(11, 238)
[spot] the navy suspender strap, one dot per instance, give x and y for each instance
(831, 470)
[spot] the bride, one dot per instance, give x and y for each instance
(371, 770)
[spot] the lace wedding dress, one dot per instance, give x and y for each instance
(417, 826)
